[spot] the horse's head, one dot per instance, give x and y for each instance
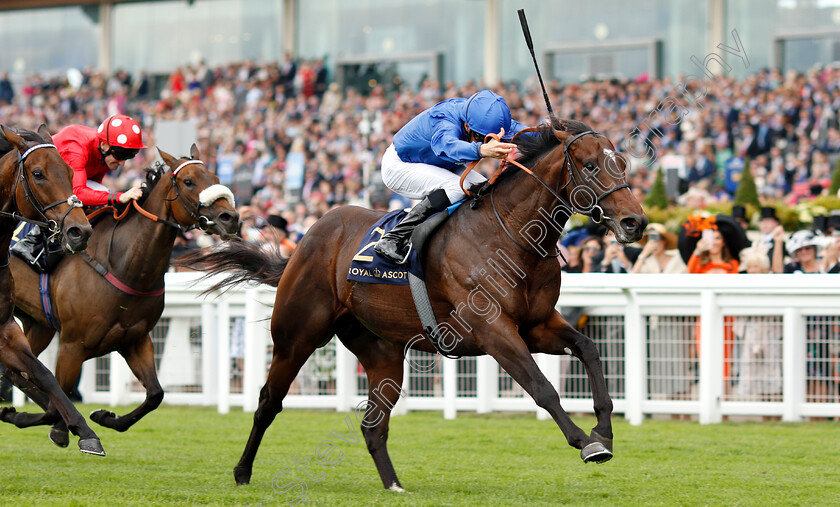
(42, 186)
(592, 178)
(197, 198)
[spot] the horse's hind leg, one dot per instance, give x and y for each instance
(18, 358)
(556, 336)
(291, 350)
(502, 341)
(383, 363)
(141, 359)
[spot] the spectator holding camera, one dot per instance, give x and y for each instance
(803, 247)
(655, 257)
(711, 244)
(617, 258)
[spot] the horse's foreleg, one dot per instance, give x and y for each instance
(556, 336)
(18, 358)
(502, 341)
(290, 353)
(383, 363)
(141, 359)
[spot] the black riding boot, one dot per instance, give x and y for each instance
(31, 247)
(392, 244)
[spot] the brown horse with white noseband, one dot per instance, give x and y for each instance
(31, 173)
(121, 276)
(509, 314)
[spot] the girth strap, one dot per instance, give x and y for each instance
(99, 268)
(46, 301)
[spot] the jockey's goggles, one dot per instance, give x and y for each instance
(122, 153)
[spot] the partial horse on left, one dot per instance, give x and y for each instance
(33, 173)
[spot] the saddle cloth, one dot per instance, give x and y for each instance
(370, 267)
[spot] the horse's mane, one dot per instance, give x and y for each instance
(154, 173)
(27, 135)
(532, 146)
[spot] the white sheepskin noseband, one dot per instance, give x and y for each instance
(215, 192)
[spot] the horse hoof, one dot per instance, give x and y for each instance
(6, 412)
(242, 476)
(59, 437)
(608, 442)
(595, 453)
(396, 487)
(100, 416)
(91, 446)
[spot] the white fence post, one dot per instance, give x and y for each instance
(223, 356)
(256, 341)
(711, 358)
(450, 387)
(209, 354)
(634, 360)
(486, 383)
(794, 357)
(345, 377)
(120, 380)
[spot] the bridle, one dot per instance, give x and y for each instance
(201, 221)
(54, 228)
(575, 174)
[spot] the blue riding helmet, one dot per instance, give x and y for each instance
(488, 113)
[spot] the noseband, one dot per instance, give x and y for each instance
(54, 228)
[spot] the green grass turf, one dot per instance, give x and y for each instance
(185, 456)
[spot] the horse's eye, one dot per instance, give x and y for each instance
(188, 182)
(38, 174)
(590, 166)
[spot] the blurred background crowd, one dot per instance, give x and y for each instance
(262, 120)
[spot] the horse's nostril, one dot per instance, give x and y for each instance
(226, 217)
(74, 233)
(629, 224)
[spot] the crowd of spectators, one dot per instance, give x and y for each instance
(254, 116)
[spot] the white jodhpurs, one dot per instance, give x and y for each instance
(417, 180)
(97, 186)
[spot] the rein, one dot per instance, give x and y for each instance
(103, 271)
(574, 174)
(53, 227)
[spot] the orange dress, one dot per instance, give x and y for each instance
(695, 266)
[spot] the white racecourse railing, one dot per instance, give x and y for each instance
(769, 346)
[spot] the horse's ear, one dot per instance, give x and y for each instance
(561, 135)
(169, 159)
(194, 152)
(45, 133)
(14, 139)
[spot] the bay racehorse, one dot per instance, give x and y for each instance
(118, 311)
(37, 185)
(567, 168)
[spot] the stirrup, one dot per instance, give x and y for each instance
(405, 259)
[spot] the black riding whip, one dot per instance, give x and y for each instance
(527, 33)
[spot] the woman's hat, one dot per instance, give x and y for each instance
(660, 230)
(692, 229)
(801, 239)
(278, 222)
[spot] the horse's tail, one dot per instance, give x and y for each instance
(241, 261)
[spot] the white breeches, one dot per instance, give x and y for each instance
(417, 180)
(97, 186)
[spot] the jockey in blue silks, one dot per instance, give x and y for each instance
(431, 151)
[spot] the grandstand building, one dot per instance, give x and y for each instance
(455, 40)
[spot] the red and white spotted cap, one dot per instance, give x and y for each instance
(120, 130)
